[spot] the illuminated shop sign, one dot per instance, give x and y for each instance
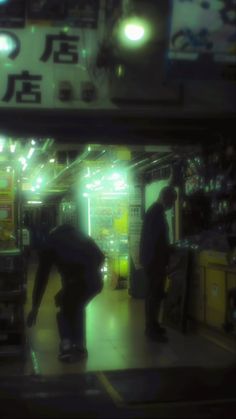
(37, 61)
(25, 87)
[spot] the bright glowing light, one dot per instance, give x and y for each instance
(88, 172)
(12, 148)
(85, 195)
(3, 43)
(39, 180)
(52, 161)
(34, 202)
(31, 151)
(115, 176)
(22, 160)
(7, 44)
(33, 142)
(89, 148)
(134, 32)
(120, 71)
(8, 169)
(89, 217)
(2, 142)
(120, 185)
(114, 193)
(33, 189)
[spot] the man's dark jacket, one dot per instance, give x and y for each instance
(78, 260)
(154, 242)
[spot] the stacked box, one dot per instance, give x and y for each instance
(7, 225)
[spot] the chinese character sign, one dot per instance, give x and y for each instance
(37, 61)
(66, 49)
(22, 88)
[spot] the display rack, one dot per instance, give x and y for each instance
(12, 298)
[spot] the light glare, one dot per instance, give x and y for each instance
(134, 32)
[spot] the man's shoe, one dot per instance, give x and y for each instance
(65, 351)
(156, 328)
(159, 329)
(156, 336)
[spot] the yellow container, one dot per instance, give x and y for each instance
(120, 266)
(121, 224)
(196, 307)
(210, 256)
(231, 280)
(215, 297)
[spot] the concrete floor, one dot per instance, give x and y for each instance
(125, 376)
(115, 337)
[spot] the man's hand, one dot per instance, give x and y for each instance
(32, 317)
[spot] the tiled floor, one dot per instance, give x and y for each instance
(115, 338)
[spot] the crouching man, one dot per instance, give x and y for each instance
(79, 261)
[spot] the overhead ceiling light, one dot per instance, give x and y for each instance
(34, 202)
(2, 142)
(31, 151)
(12, 148)
(22, 160)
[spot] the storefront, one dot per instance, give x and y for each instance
(98, 112)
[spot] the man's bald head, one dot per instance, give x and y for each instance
(167, 197)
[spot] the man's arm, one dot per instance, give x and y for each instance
(41, 278)
(40, 283)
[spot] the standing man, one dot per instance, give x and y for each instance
(79, 261)
(154, 257)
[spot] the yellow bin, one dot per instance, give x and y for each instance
(215, 297)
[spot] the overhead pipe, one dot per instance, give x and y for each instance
(68, 168)
(149, 161)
